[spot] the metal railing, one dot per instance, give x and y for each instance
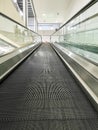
(80, 33)
(14, 35)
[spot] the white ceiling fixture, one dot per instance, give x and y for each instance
(50, 11)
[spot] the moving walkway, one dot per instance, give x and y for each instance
(50, 86)
(42, 94)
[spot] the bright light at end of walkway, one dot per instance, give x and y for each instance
(44, 14)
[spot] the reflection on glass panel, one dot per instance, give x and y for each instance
(81, 34)
(5, 48)
(15, 32)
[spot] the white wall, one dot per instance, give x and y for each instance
(7, 7)
(52, 39)
(45, 32)
(73, 7)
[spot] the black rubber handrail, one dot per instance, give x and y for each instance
(92, 2)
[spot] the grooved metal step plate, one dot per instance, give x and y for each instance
(42, 95)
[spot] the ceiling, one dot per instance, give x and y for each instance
(50, 11)
(47, 11)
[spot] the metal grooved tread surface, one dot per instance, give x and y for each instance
(42, 95)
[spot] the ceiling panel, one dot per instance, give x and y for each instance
(51, 11)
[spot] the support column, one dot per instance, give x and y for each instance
(25, 12)
(35, 25)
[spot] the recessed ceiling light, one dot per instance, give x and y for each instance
(44, 14)
(15, 1)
